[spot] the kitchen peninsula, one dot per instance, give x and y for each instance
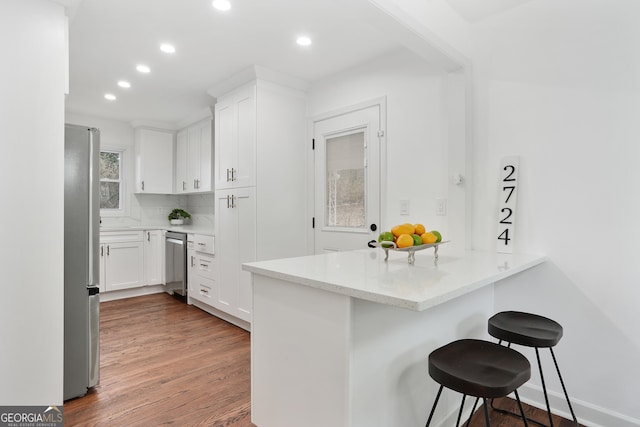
(342, 339)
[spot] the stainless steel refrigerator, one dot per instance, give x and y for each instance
(81, 260)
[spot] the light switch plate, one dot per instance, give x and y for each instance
(404, 207)
(441, 207)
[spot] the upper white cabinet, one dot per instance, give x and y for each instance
(194, 158)
(235, 136)
(154, 161)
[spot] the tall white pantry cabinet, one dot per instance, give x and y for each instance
(260, 146)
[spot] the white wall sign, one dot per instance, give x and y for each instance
(507, 198)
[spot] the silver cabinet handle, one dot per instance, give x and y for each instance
(193, 261)
(233, 201)
(101, 250)
(142, 185)
(233, 174)
(148, 236)
(184, 184)
(228, 202)
(228, 175)
(108, 251)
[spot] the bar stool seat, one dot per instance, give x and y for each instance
(530, 330)
(478, 368)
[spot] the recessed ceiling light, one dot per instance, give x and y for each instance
(124, 84)
(143, 68)
(303, 41)
(110, 96)
(221, 4)
(167, 48)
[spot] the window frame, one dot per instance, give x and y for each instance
(121, 211)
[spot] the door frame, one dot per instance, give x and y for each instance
(381, 102)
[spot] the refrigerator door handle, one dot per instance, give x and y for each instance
(94, 206)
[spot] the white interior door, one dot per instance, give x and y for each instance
(347, 179)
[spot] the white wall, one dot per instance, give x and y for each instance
(32, 188)
(557, 84)
(416, 154)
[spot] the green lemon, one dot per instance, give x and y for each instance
(416, 240)
(386, 236)
(438, 235)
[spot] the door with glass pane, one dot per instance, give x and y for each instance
(347, 180)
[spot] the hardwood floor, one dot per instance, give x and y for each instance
(166, 363)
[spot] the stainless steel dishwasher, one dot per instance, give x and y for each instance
(176, 264)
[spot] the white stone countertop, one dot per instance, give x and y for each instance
(364, 274)
(208, 231)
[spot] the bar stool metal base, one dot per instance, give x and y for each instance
(514, 327)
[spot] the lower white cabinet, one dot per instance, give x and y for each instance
(235, 244)
(121, 260)
(202, 277)
(153, 257)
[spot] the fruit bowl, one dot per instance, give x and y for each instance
(387, 246)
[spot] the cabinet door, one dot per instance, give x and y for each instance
(235, 244)
(205, 157)
(224, 147)
(153, 257)
(235, 130)
(193, 164)
(124, 265)
(182, 177)
(154, 162)
(245, 127)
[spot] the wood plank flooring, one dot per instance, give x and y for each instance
(166, 363)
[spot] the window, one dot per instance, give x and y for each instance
(345, 195)
(111, 180)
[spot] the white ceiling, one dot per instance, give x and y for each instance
(108, 38)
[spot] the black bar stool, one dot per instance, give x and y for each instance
(530, 330)
(478, 368)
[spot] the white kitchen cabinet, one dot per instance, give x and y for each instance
(182, 147)
(260, 175)
(235, 244)
(235, 138)
(121, 260)
(202, 270)
(154, 161)
(153, 257)
(194, 158)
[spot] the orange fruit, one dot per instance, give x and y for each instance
(428, 238)
(402, 229)
(404, 240)
(420, 229)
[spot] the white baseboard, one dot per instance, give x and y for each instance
(588, 414)
(130, 293)
(221, 314)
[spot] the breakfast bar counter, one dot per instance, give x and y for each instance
(342, 339)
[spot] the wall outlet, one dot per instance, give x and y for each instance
(441, 207)
(404, 207)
